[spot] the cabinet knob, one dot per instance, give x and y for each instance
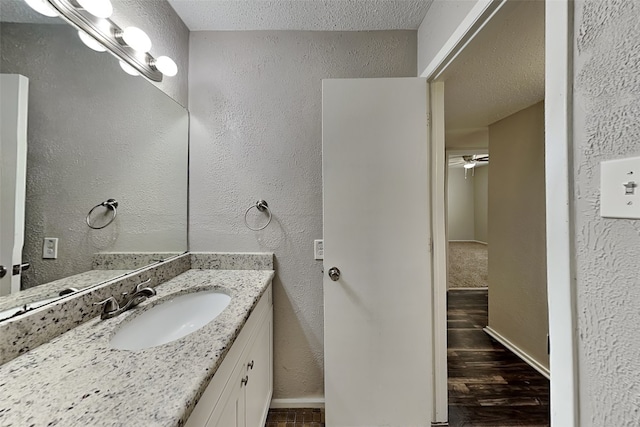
(250, 365)
(244, 381)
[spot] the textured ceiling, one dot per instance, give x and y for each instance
(312, 15)
(500, 72)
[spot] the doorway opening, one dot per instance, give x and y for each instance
(493, 94)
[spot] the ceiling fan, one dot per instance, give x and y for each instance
(469, 161)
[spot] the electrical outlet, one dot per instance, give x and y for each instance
(318, 249)
(50, 248)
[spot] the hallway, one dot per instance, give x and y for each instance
(488, 385)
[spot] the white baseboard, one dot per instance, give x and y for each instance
(468, 241)
(484, 288)
(518, 352)
(310, 402)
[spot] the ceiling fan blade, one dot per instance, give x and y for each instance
(482, 159)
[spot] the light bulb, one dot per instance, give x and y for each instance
(136, 39)
(98, 8)
(469, 165)
(42, 7)
(90, 42)
(166, 66)
(129, 69)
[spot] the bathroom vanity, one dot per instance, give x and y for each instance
(218, 375)
(240, 392)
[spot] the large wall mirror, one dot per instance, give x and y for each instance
(94, 133)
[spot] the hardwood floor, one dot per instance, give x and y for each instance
(488, 385)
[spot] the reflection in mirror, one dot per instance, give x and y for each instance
(93, 133)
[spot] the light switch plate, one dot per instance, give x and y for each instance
(50, 248)
(620, 188)
(318, 249)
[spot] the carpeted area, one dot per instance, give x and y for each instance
(468, 265)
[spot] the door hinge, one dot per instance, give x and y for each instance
(548, 345)
(431, 244)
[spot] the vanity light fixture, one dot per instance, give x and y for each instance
(128, 69)
(165, 65)
(135, 38)
(98, 8)
(90, 42)
(130, 45)
(42, 7)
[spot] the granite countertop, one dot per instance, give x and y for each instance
(77, 380)
(52, 290)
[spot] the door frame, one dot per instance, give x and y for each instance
(559, 202)
(13, 176)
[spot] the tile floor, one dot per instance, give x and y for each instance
(295, 418)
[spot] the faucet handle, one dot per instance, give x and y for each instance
(140, 285)
(110, 304)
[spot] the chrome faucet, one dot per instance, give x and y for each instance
(111, 308)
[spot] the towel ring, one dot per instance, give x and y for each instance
(111, 204)
(262, 206)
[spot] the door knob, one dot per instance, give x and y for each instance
(334, 273)
(3, 271)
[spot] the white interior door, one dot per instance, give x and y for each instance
(378, 314)
(13, 169)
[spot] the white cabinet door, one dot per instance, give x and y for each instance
(378, 320)
(240, 392)
(233, 411)
(260, 374)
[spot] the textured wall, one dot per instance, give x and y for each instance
(255, 104)
(170, 36)
(441, 20)
(460, 209)
(606, 126)
(481, 203)
(517, 249)
(94, 133)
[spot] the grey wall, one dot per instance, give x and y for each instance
(255, 104)
(460, 199)
(481, 204)
(606, 126)
(169, 35)
(517, 250)
(94, 133)
(467, 204)
(441, 20)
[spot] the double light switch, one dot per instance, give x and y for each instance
(620, 188)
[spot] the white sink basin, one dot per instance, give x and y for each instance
(171, 320)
